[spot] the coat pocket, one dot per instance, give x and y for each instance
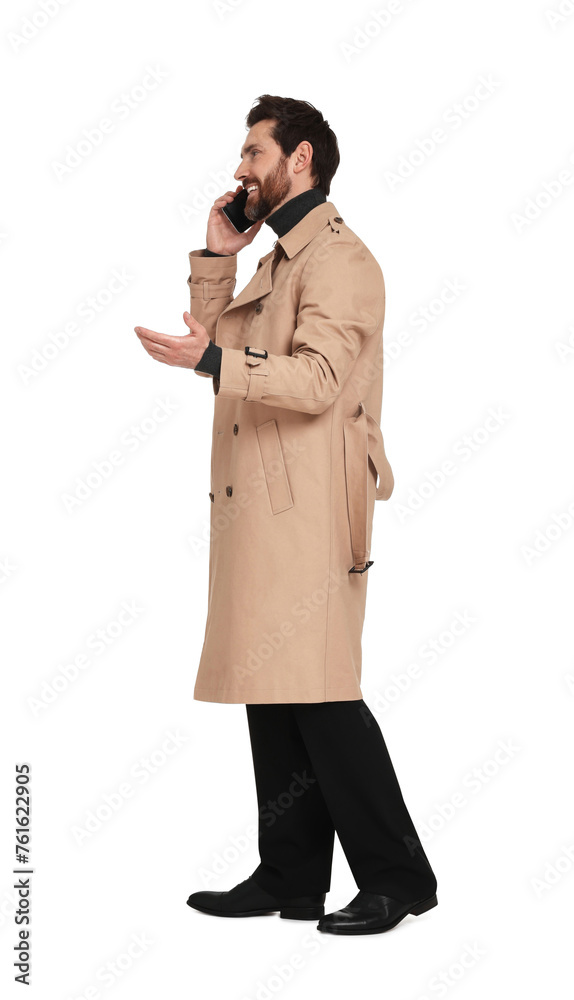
(274, 466)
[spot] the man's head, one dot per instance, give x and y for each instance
(289, 148)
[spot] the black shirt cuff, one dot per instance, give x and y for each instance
(210, 361)
(211, 253)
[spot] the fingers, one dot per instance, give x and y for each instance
(191, 322)
(224, 199)
(156, 350)
(152, 337)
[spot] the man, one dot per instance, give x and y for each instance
(296, 363)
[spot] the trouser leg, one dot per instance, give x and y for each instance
(361, 791)
(296, 832)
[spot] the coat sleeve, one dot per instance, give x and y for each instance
(211, 285)
(342, 302)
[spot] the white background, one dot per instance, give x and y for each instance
(493, 539)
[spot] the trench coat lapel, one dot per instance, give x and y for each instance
(260, 284)
(295, 240)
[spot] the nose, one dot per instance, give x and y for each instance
(240, 173)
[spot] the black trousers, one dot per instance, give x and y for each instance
(322, 768)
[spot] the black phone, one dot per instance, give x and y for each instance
(234, 212)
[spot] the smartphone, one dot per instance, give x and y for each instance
(236, 215)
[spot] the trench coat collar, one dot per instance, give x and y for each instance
(288, 215)
(296, 239)
(303, 232)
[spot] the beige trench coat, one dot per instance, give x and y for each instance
(297, 462)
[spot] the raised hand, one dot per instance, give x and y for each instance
(182, 352)
(222, 237)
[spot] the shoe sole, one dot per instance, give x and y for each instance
(288, 913)
(422, 907)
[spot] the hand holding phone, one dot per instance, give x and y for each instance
(235, 212)
(228, 228)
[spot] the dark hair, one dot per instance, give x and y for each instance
(295, 121)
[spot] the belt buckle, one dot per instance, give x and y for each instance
(365, 567)
(262, 353)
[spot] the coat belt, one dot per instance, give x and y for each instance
(363, 440)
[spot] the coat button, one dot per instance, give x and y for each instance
(337, 218)
(235, 428)
(211, 497)
(229, 490)
(258, 307)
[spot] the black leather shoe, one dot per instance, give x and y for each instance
(248, 900)
(369, 913)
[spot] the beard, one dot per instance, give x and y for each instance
(271, 192)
